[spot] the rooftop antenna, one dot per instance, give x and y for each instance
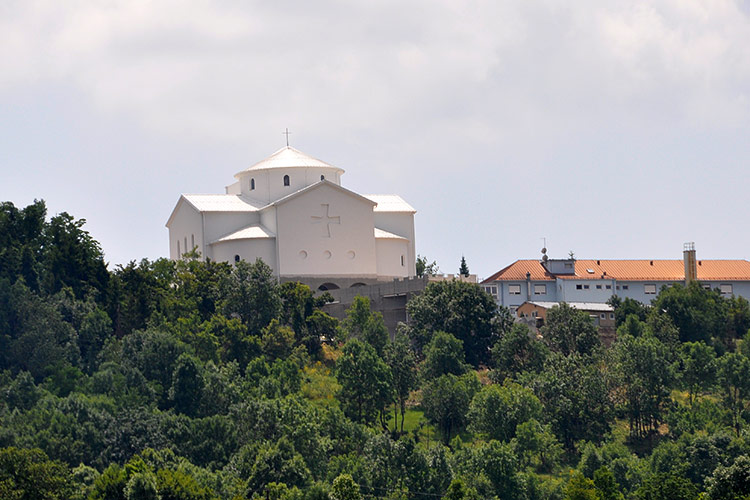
(286, 133)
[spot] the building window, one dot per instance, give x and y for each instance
(192, 241)
(598, 287)
(625, 287)
(402, 260)
(513, 310)
(602, 316)
(611, 315)
(706, 287)
(585, 287)
(492, 290)
(725, 289)
(236, 258)
(568, 265)
(252, 184)
(179, 254)
(322, 177)
(649, 289)
(608, 287)
(540, 289)
(533, 314)
(579, 287)
(286, 180)
(514, 289)
(186, 248)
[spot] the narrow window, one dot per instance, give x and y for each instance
(236, 258)
(252, 184)
(286, 180)
(402, 260)
(186, 248)
(179, 254)
(192, 241)
(602, 316)
(611, 315)
(322, 177)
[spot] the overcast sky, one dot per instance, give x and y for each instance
(616, 129)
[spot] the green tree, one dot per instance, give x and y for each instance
(698, 314)
(443, 355)
(666, 487)
(463, 269)
(277, 339)
(734, 383)
(644, 374)
(606, 485)
(365, 382)
(536, 444)
(698, 368)
(344, 488)
(401, 360)
(426, 268)
(142, 486)
(446, 401)
(364, 324)
(462, 309)
(732, 482)
(626, 307)
(580, 488)
(30, 475)
(568, 330)
(496, 411)
(187, 385)
(252, 294)
(518, 351)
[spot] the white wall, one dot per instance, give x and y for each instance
(219, 224)
(304, 246)
(186, 225)
(389, 252)
(402, 224)
(269, 183)
(248, 250)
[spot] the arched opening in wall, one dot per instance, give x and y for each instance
(192, 242)
(286, 180)
(252, 184)
(179, 254)
(402, 260)
(236, 258)
(322, 177)
(328, 286)
(357, 285)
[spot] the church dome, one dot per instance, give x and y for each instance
(288, 157)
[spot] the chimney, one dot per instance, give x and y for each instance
(688, 255)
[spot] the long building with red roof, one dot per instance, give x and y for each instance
(595, 280)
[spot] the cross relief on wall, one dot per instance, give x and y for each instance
(326, 220)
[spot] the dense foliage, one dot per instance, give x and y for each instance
(202, 380)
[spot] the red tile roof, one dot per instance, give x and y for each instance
(628, 270)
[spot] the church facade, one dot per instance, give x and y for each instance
(291, 211)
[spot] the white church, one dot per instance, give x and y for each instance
(292, 211)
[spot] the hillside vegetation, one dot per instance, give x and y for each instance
(203, 380)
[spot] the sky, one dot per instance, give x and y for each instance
(615, 130)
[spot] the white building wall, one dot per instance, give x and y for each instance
(390, 255)
(219, 224)
(305, 247)
(402, 224)
(269, 184)
(186, 227)
(248, 250)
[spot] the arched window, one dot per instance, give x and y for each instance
(236, 258)
(252, 184)
(179, 254)
(402, 260)
(328, 286)
(286, 180)
(192, 241)
(322, 177)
